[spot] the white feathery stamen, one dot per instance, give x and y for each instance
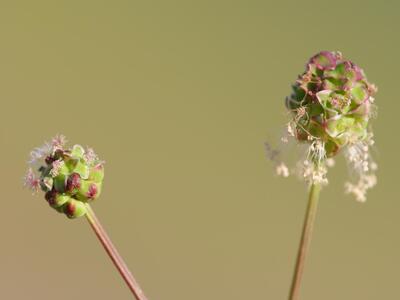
(282, 170)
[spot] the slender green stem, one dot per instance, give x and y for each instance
(305, 240)
(114, 255)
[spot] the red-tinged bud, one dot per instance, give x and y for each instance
(73, 182)
(50, 197)
(74, 209)
(97, 173)
(92, 192)
(88, 191)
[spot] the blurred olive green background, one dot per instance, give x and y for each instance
(178, 97)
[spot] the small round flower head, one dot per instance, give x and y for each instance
(330, 107)
(69, 177)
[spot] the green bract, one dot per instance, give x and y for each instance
(331, 102)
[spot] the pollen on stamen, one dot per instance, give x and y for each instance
(282, 170)
(284, 139)
(330, 162)
(290, 129)
(359, 189)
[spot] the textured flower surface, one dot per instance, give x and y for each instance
(68, 177)
(330, 107)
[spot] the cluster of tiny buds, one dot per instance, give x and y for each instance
(70, 178)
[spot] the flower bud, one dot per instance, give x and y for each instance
(69, 177)
(59, 183)
(73, 183)
(60, 200)
(50, 196)
(97, 173)
(89, 191)
(75, 209)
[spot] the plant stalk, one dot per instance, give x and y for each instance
(114, 255)
(305, 240)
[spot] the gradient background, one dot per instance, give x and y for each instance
(178, 97)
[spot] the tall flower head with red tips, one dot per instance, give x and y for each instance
(331, 106)
(70, 177)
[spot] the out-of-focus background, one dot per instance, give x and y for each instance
(178, 98)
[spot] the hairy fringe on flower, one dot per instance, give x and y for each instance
(31, 181)
(40, 152)
(92, 158)
(363, 167)
(329, 112)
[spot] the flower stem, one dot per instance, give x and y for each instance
(305, 240)
(114, 255)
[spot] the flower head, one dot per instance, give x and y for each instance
(70, 177)
(330, 110)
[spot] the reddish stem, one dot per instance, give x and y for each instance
(305, 241)
(114, 255)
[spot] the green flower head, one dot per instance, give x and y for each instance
(332, 101)
(330, 109)
(69, 177)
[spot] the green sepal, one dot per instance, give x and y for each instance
(64, 169)
(61, 208)
(362, 110)
(60, 200)
(82, 169)
(338, 72)
(315, 129)
(74, 209)
(340, 125)
(97, 174)
(315, 110)
(88, 191)
(323, 97)
(46, 184)
(331, 148)
(45, 170)
(71, 163)
(77, 151)
(322, 60)
(359, 93)
(59, 183)
(332, 83)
